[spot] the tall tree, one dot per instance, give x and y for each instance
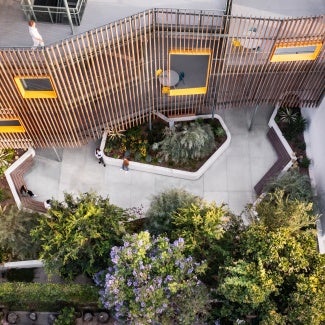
(77, 234)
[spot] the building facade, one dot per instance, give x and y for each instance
(119, 75)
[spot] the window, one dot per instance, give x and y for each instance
(35, 87)
(298, 51)
(192, 67)
(11, 126)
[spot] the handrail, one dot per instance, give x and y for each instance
(154, 12)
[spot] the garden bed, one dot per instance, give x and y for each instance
(137, 144)
(292, 125)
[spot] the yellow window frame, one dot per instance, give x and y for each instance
(193, 90)
(296, 51)
(12, 128)
(35, 93)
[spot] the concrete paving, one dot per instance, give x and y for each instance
(229, 180)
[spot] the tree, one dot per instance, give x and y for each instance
(153, 281)
(202, 227)
(15, 240)
(278, 274)
(163, 206)
(77, 235)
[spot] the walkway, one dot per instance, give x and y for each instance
(230, 180)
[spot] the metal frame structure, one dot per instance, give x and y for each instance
(106, 78)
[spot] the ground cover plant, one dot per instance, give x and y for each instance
(186, 146)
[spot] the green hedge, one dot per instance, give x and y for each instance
(46, 296)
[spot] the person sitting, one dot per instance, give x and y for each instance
(26, 192)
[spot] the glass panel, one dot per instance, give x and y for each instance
(37, 84)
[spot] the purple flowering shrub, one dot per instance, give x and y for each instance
(151, 280)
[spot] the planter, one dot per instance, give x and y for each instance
(170, 171)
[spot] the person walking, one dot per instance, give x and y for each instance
(34, 33)
(99, 156)
(125, 164)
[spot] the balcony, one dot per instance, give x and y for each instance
(54, 11)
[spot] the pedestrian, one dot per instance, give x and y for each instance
(125, 164)
(47, 204)
(99, 156)
(26, 192)
(36, 36)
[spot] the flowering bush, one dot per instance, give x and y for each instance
(151, 280)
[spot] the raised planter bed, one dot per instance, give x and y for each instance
(171, 171)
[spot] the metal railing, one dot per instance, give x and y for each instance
(54, 14)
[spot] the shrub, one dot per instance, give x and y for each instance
(6, 158)
(304, 162)
(151, 281)
(15, 239)
(300, 124)
(66, 316)
(77, 235)
(295, 185)
(192, 142)
(3, 195)
(163, 206)
(287, 115)
(46, 296)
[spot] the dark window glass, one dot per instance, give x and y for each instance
(43, 84)
(9, 123)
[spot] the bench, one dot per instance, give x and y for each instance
(283, 159)
(17, 176)
(180, 115)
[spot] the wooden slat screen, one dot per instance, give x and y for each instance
(105, 78)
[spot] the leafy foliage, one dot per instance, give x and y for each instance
(15, 240)
(277, 211)
(202, 227)
(3, 195)
(294, 185)
(277, 274)
(163, 206)
(287, 115)
(192, 142)
(66, 317)
(153, 281)
(6, 158)
(46, 296)
(77, 235)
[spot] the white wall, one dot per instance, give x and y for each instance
(315, 139)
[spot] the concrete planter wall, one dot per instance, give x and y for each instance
(170, 171)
